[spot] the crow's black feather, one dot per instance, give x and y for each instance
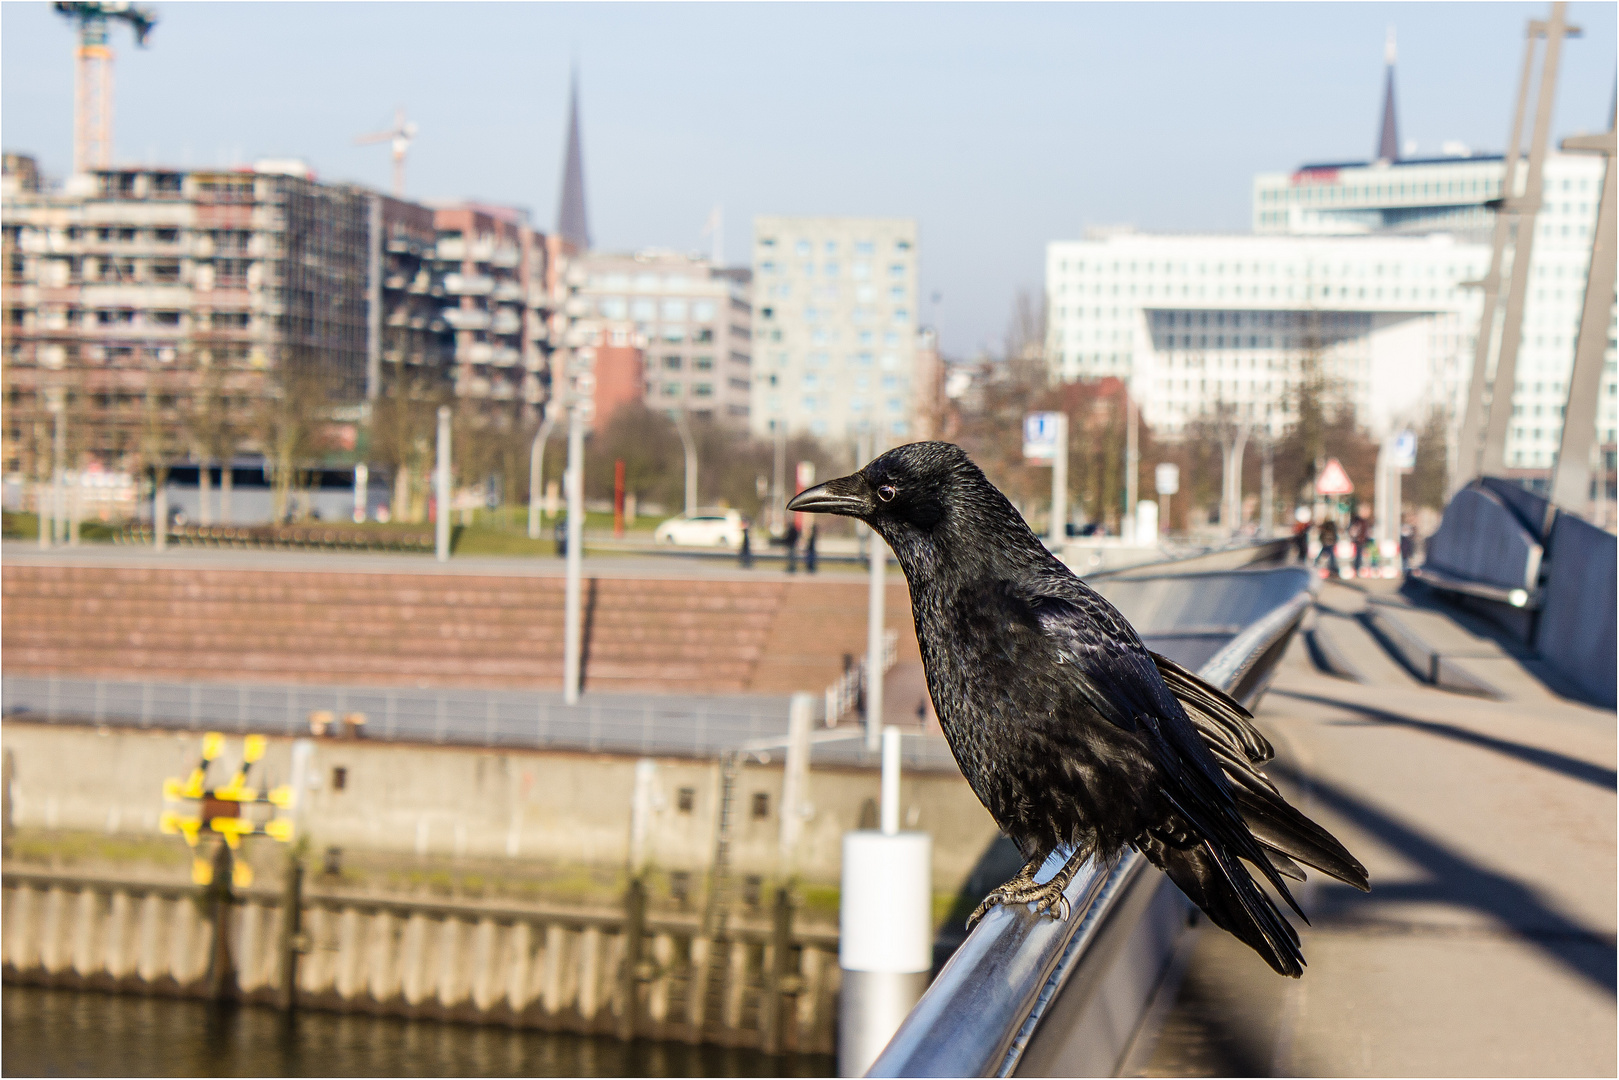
(1069, 730)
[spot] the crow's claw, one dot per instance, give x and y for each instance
(1023, 890)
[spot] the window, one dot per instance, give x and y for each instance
(703, 389)
(671, 363)
(671, 389)
(897, 270)
(703, 363)
(340, 778)
(702, 310)
(761, 804)
(897, 293)
(686, 800)
(674, 310)
(163, 318)
(831, 269)
(902, 245)
(643, 309)
(802, 247)
(613, 307)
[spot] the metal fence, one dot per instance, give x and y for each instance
(666, 724)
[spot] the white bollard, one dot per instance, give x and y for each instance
(1146, 523)
(885, 926)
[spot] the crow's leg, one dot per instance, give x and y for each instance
(1021, 889)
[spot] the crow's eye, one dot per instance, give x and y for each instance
(886, 492)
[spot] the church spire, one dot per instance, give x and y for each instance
(572, 224)
(1388, 140)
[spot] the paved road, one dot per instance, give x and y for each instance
(596, 564)
(1487, 944)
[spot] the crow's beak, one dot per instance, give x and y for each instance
(849, 496)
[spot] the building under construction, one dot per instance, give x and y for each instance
(172, 314)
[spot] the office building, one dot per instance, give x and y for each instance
(836, 332)
(691, 320)
(1364, 264)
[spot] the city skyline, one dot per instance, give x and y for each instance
(871, 111)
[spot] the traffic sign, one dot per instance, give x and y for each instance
(1167, 478)
(1040, 436)
(1333, 480)
(1403, 450)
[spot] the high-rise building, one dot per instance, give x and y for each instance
(691, 319)
(835, 332)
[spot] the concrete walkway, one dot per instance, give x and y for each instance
(1487, 946)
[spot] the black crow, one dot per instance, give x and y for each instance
(1069, 730)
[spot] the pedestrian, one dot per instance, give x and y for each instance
(1408, 543)
(1301, 533)
(745, 552)
(1328, 533)
(1360, 528)
(560, 533)
(791, 540)
(809, 550)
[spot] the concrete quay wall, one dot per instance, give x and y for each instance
(513, 809)
(548, 969)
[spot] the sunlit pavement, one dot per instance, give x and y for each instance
(1487, 944)
(596, 563)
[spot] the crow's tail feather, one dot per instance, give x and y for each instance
(1222, 887)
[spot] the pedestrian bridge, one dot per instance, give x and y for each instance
(1470, 770)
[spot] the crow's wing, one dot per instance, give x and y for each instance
(1207, 748)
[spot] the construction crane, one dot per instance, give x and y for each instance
(92, 91)
(400, 135)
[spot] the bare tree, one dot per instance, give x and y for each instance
(403, 430)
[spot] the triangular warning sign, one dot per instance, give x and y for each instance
(1333, 480)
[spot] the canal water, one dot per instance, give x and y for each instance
(84, 1033)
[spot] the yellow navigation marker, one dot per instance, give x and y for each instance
(232, 829)
(280, 829)
(241, 874)
(202, 872)
(169, 822)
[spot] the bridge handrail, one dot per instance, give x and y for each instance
(980, 1013)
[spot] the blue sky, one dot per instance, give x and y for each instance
(998, 126)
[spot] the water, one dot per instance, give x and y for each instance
(84, 1033)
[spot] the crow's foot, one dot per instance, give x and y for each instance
(1021, 889)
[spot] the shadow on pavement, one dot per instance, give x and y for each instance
(1571, 767)
(1460, 883)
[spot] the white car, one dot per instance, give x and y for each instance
(706, 528)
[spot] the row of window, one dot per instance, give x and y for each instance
(830, 247)
(860, 271)
(1258, 269)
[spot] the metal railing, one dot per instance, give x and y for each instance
(843, 695)
(662, 724)
(986, 1005)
